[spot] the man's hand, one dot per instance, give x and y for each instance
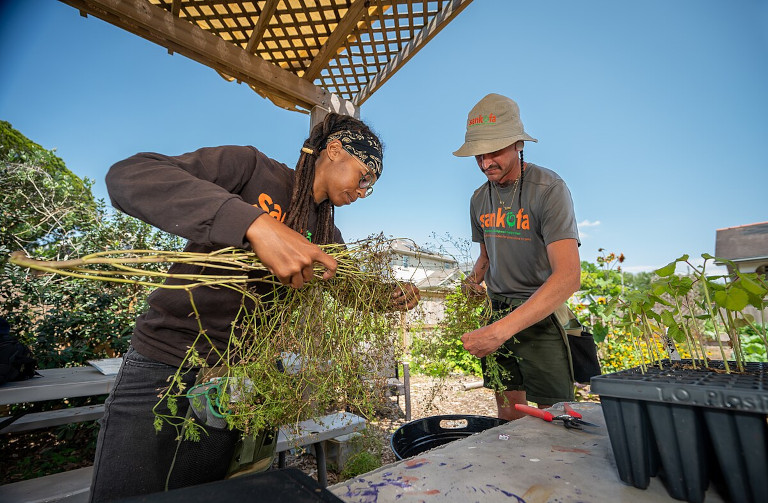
(472, 289)
(286, 253)
(483, 341)
(405, 296)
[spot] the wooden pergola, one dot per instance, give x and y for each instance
(311, 56)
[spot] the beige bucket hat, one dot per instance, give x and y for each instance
(493, 124)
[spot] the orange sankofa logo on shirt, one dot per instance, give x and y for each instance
(508, 220)
(270, 207)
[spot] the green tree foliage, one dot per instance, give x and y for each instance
(602, 284)
(443, 352)
(603, 287)
(47, 211)
(42, 203)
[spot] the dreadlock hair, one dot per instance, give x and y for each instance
(522, 178)
(304, 176)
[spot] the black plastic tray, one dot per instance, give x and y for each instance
(691, 427)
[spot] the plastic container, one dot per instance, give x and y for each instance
(289, 485)
(424, 434)
(691, 427)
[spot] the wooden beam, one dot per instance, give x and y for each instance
(261, 26)
(450, 11)
(339, 36)
(175, 9)
(160, 26)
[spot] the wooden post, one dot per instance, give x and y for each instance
(335, 104)
(406, 335)
(316, 116)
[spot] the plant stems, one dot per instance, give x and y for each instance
(291, 354)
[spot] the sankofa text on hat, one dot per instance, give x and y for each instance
(482, 119)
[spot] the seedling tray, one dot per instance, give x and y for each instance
(689, 426)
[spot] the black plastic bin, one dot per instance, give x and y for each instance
(424, 434)
(691, 427)
(289, 485)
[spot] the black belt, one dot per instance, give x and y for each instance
(500, 302)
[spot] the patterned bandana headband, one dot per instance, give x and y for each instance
(365, 147)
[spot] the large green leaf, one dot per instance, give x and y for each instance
(676, 333)
(655, 299)
(714, 285)
(660, 288)
(739, 322)
(751, 286)
(667, 270)
(682, 285)
(668, 318)
(734, 299)
(653, 315)
(600, 332)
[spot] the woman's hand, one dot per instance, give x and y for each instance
(405, 296)
(286, 253)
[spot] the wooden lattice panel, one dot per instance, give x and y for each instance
(339, 45)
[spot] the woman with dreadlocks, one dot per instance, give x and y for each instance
(524, 221)
(229, 196)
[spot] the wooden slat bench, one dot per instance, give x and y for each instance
(56, 384)
(70, 487)
(87, 381)
(73, 486)
(37, 420)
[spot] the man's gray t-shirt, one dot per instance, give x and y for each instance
(516, 235)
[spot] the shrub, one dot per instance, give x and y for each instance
(362, 462)
(753, 345)
(47, 211)
(442, 352)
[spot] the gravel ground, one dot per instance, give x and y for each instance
(429, 397)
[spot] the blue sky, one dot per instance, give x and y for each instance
(653, 112)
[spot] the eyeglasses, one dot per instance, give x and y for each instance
(367, 180)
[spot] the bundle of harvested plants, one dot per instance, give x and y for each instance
(293, 354)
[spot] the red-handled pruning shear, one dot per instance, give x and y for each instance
(571, 418)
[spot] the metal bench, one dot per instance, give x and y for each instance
(402, 387)
(315, 432)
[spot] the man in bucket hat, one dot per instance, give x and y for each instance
(523, 218)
